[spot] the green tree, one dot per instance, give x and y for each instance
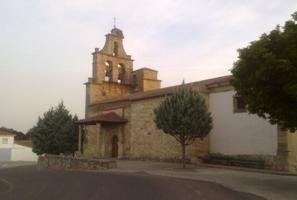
(29, 133)
(55, 132)
(20, 135)
(265, 75)
(184, 116)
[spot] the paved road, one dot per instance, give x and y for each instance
(28, 183)
(269, 186)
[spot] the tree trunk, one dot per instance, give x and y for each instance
(184, 155)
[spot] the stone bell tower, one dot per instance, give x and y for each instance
(112, 64)
(112, 71)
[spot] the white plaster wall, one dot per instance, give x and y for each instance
(22, 153)
(10, 141)
(239, 133)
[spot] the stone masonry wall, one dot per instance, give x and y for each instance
(67, 162)
(148, 142)
(91, 141)
(151, 84)
(97, 92)
(107, 133)
(292, 151)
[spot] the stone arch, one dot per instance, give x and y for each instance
(108, 71)
(121, 73)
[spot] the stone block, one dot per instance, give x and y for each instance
(67, 162)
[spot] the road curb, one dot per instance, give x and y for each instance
(263, 171)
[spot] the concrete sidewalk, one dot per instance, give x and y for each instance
(269, 186)
(8, 164)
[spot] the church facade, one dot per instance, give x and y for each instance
(119, 119)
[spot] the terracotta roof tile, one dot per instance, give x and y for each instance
(145, 68)
(6, 131)
(162, 91)
(110, 117)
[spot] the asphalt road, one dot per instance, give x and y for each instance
(28, 183)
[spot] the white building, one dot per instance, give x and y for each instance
(235, 132)
(11, 150)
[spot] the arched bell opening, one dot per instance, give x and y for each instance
(108, 71)
(121, 73)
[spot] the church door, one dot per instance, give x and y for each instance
(115, 147)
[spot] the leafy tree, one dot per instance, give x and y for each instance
(55, 132)
(265, 75)
(184, 116)
(29, 133)
(19, 135)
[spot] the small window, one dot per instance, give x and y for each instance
(4, 140)
(239, 104)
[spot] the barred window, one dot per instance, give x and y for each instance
(239, 104)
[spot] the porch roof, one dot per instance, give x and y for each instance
(110, 117)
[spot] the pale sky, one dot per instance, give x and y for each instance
(46, 45)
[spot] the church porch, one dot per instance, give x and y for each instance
(102, 136)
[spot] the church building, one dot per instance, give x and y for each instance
(119, 118)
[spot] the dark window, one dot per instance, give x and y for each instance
(115, 147)
(134, 79)
(239, 104)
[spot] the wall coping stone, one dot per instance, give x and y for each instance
(70, 162)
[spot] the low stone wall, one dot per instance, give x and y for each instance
(68, 162)
(268, 162)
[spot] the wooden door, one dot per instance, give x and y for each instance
(115, 147)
